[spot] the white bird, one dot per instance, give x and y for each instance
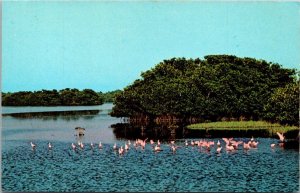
(49, 146)
(115, 146)
(129, 143)
(100, 145)
(272, 145)
(218, 144)
(186, 143)
(32, 145)
(92, 145)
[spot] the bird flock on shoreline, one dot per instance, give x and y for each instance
(230, 145)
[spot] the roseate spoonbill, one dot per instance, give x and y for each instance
(281, 137)
(73, 146)
(100, 145)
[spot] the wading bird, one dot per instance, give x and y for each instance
(272, 145)
(281, 137)
(32, 145)
(49, 146)
(115, 146)
(73, 146)
(121, 150)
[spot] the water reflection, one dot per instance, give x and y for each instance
(150, 131)
(56, 115)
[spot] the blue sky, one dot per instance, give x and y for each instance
(106, 45)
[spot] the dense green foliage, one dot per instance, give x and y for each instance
(218, 87)
(109, 97)
(67, 97)
(283, 105)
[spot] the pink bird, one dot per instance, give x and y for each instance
(281, 137)
(121, 150)
(126, 147)
(73, 146)
(246, 146)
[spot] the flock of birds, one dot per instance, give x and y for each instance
(230, 145)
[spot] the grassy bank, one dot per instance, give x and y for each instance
(269, 129)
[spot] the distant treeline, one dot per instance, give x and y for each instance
(220, 87)
(64, 97)
(108, 97)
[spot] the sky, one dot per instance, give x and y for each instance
(105, 45)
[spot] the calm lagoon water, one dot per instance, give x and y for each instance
(188, 169)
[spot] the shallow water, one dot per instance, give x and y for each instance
(189, 169)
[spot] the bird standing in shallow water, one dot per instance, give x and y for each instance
(49, 146)
(246, 146)
(73, 146)
(157, 148)
(121, 150)
(218, 144)
(281, 137)
(219, 149)
(126, 147)
(81, 145)
(272, 145)
(32, 145)
(115, 146)
(100, 145)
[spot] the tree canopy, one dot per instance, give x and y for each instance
(109, 97)
(65, 97)
(218, 86)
